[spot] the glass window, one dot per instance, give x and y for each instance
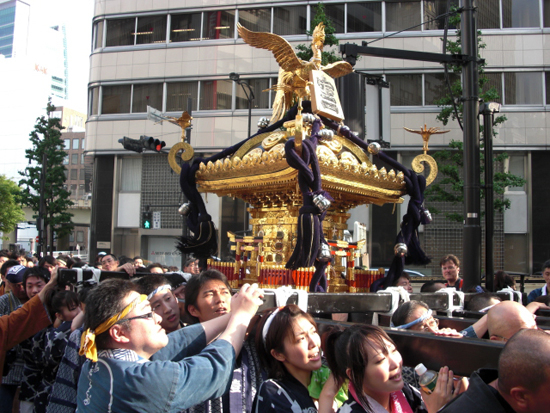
(523, 88)
(261, 99)
(488, 16)
(120, 32)
(147, 95)
(130, 175)
(405, 90)
(74, 159)
(257, 20)
(74, 173)
(116, 99)
(151, 29)
(494, 81)
(178, 93)
(290, 20)
(547, 79)
(71, 237)
(435, 86)
(335, 12)
(76, 144)
(433, 9)
(365, 17)
(82, 159)
(520, 13)
(82, 174)
(546, 13)
(94, 97)
(215, 95)
(66, 160)
(218, 24)
(402, 15)
(98, 34)
(66, 172)
(516, 166)
(67, 143)
(185, 27)
(79, 236)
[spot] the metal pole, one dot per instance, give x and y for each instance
(487, 109)
(42, 206)
(471, 244)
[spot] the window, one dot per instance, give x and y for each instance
(73, 190)
(405, 90)
(116, 99)
(547, 80)
(290, 20)
(523, 88)
(488, 16)
(435, 86)
(66, 160)
(98, 34)
(76, 144)
(185, 27)
(79, 236)
(335, 12)
(365, 17)
(82, 159)
(66, 172)
(257, 20)
(74, 173)
(178, 93)
(120, 32)
(546, 13)
(71, 237)
(94, 99)
(130, 175)
(151, 29)
(81, 190)
(494, 82)
(433, 9)
(215, 95)
(147, 95)
(402, 15)
(82, 174)
(74, 159)
(261, 99)
(67, 143)
(520, 13)
(516, 166)
(218, 24)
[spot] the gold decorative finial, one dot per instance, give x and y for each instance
(426, 133)
(187, 152)
(184, 121)
(294, 72)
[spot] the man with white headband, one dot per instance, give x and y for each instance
(158, 290)
(134, 366)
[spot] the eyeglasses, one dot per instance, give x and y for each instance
(431, 323)
(145, 316)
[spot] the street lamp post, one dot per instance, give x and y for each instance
(235, 77)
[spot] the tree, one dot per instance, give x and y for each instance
(305, 52)
(47, 143)
(450, 188)
(11, 212)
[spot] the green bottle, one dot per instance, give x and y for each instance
(428, 378)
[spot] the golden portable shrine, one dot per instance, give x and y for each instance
(260, 172)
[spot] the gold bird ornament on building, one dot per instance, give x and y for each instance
(426, 133)
(294, 72)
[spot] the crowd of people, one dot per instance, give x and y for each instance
(180, 341)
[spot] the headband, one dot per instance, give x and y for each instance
(87, 342)
(159, 289)
(426, 315)
(268, 323)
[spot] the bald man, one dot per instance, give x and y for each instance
(507, 318)
(521, 383)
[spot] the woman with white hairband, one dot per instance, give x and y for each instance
(289, 347)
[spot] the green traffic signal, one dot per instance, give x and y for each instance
(146, 220)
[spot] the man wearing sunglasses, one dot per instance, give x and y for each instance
(134, 366)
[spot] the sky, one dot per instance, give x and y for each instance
(77, 16)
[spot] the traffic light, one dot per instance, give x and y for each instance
(147, 220)
(152, 143)
(144, 142)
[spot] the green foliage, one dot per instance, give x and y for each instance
(328, 57)
(46, 138)
(450, 188)
(10, 210)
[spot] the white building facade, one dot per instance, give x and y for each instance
(161, 53)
